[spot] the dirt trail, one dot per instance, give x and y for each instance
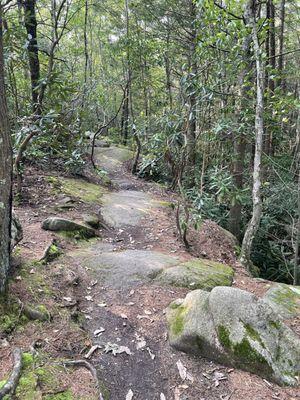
(127, 307)
(124, 309)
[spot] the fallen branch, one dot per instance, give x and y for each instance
(13, 380)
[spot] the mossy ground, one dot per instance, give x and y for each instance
(40, 380)
(10, 316)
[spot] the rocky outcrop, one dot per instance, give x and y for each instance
(197, 274)
(233, 327)
(65, 225)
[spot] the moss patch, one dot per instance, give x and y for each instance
(223, 335)
(67, 395)
(75, 235)
(253, 334)
(275, 324)
(10, 317)
(243, 351)
(26, 389)
(177, 319)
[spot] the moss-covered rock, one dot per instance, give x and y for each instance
(284, 299)
(233, 327)
(92, 220)
(198, 274)
(51, 253)
(65, 225)
(78, 188)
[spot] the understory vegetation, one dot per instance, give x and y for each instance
(179, 82)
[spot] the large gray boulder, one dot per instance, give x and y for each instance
(65, 225)
(284, 299)
(233, 327)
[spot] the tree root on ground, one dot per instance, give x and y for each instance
(87, 365)
(13, 380)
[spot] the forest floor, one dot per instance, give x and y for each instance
(100, 297)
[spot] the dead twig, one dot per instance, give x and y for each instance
(13, 380)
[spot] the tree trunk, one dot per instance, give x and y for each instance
(192, 99)
(86, 54)
(168, 70)
(126, 105)
(259, 130)
(281, 43)
(239, 141)
(297, 236)
(5, 175)
(33, 52)
(296, 273)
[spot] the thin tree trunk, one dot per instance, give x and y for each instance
(168, 71)
(126, 106)
(296, 274)
(33, 53)
(259, 130)
(192, 99)
(281, 43)
(239, 141)
(86, 54)
(297, 237)
(5, 175)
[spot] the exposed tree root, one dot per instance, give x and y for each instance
(13, 380)
(87, 365)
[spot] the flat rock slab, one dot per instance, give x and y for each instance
(126, 207)
(284, 299)
(130, 267)
(125, 268)
(110, 158)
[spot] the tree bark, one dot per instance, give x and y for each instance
(5, 175)
(259, 130)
